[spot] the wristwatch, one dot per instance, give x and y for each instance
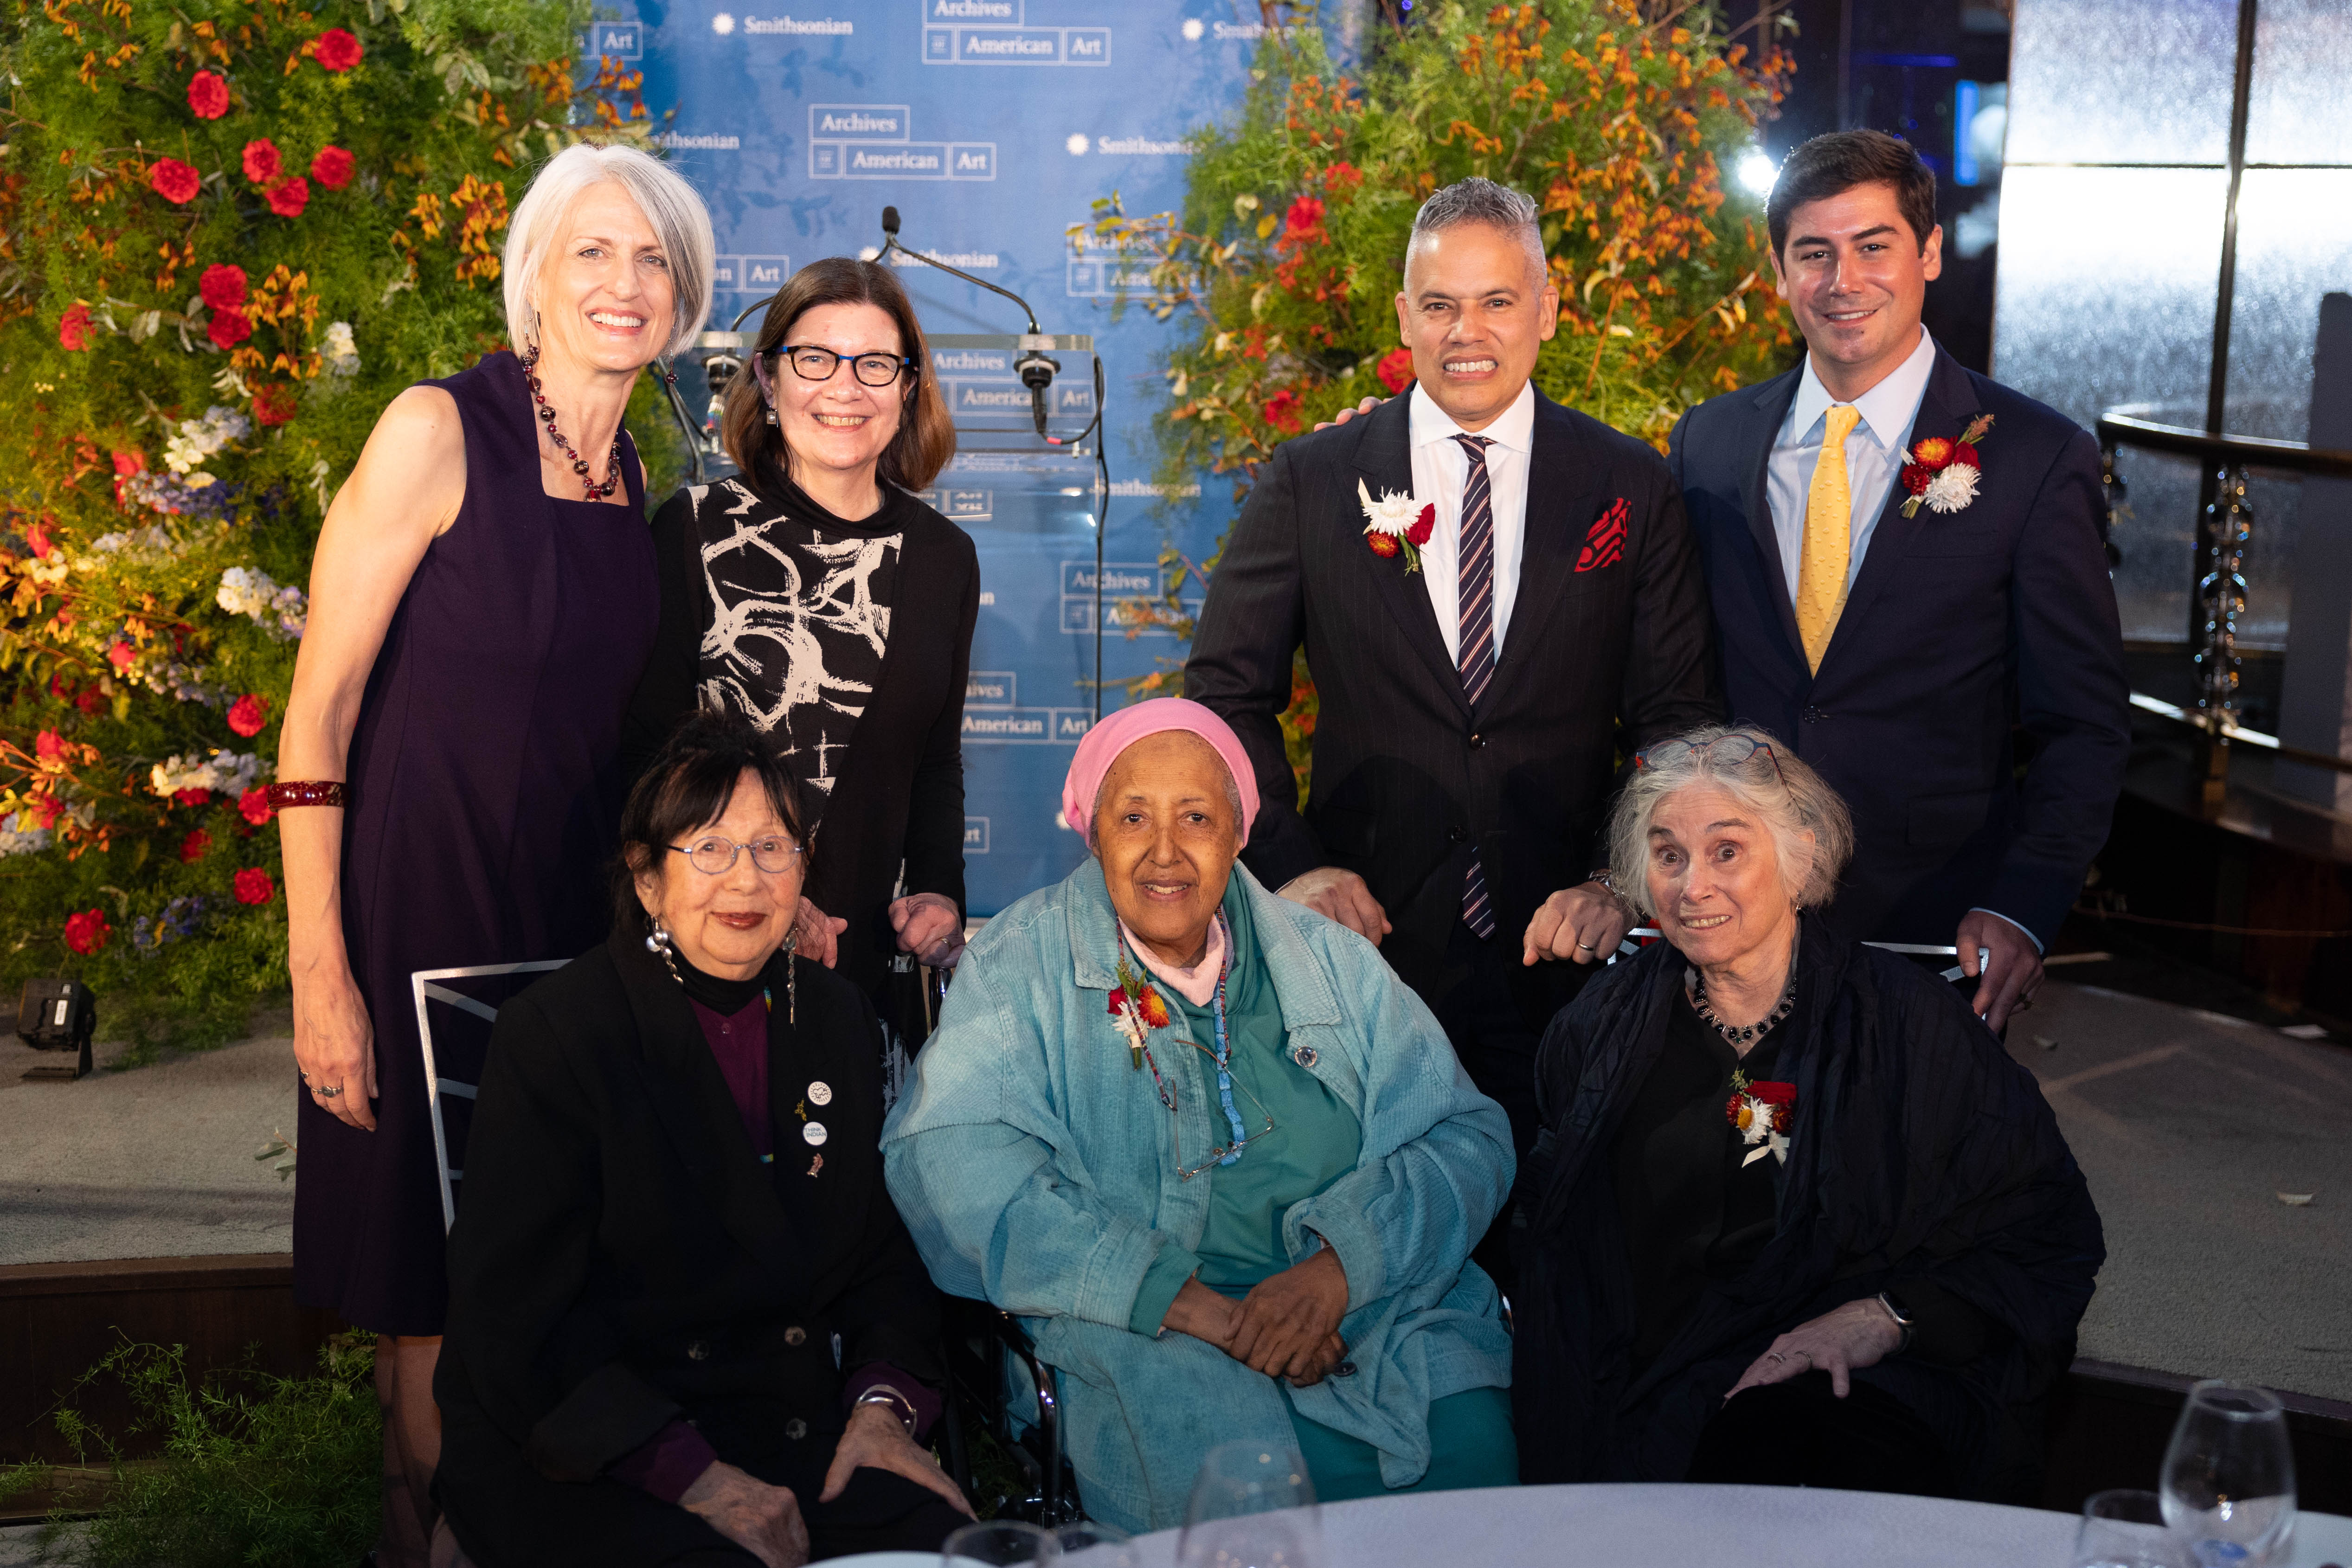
(900, 1405)
(1607, 879)
(1903, 1321)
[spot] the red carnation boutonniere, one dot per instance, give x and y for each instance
(1396, 524)
(1139, 1008)
(1762, 1112)
(1944, 474)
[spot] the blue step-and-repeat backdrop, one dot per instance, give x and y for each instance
(992, 126)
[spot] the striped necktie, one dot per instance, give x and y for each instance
(1475, 598)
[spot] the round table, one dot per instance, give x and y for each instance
(1755, 1527)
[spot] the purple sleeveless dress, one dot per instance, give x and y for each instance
(485, 797)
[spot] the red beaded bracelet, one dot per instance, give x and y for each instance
(305, 793)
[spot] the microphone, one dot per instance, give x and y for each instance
(1035, 370)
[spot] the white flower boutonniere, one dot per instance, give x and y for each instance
(1944, 473)
(1396, 524)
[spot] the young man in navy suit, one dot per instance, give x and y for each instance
(1902, 603)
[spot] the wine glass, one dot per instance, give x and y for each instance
(1253, 1506)
(2229, 1475)
(2127, 1529)
(999, 1543)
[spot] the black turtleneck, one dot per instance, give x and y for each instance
(724, 997)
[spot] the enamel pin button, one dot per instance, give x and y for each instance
(820, 1093)
(815, 1132)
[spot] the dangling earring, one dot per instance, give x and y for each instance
(657, 944)
(792, 981)
(771, 414)
(530, 357)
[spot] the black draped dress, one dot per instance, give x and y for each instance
(1922, 1162)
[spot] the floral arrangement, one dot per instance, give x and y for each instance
(1138, 1009)
(230, 232)
(1943, 474)
(1619, 116)
(1761, 1112)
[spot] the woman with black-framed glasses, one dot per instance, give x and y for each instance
(813, 594)
(686, 1323)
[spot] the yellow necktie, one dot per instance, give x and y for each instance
(1829, 540)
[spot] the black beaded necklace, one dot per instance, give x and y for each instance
(1742, 1033)
(579, 463)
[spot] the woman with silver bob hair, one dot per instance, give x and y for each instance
(1794, 1215)
(482, 601)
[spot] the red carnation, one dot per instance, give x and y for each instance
(254, 806)
(1418, 534)
(229, 329)
(332, 168)
(290, 196)
(1396, 369)
(173, 181)
(1916, 479)
(273, 406)
(1384, 545)
(73, 328)
(1282, 411)
(88, 933)
(249, 715)
(338, 49)
(262, 163)
(207, 95)
(1966, 455)
(192, 798)
(193, 848)
(254, 886)
(223, 288)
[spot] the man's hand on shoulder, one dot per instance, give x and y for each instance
(1341, 896)
(1582, 925)
(1366, 406)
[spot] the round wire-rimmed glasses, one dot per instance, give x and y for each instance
(812, 361)
(1732, 749)
(715, 857)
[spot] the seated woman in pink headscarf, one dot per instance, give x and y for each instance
(1218, 1160)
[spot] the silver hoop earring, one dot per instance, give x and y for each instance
(657, 944)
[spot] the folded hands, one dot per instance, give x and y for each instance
(1288, 1326)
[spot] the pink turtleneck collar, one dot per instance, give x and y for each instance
(1196, 985)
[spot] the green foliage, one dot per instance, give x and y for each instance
(256, 1472)
(174, 429)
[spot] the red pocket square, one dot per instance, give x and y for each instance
(1604, 542)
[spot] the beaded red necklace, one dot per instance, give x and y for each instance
(579, 464)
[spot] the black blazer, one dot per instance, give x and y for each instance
(1960, 627)
(621, 1258)
(899, 795)
(1407, 776)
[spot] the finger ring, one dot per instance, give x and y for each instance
(325, 1093)
(1585, 947)
(1776, 1355)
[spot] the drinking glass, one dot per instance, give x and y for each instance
(1252, 1506)
(2228, 1476)
(999, 1543)
(1087, 1545)
(2127, 1529)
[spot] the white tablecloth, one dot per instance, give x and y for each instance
(1691, 1526)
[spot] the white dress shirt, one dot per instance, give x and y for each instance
(1874, 460)
(1441, 469)
(1873, 456)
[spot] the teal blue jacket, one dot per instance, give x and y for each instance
(1036, 1168)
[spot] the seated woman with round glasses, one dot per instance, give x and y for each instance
(1218, 1160)
(813, 594)
(685, 1322)
(1795, 1216)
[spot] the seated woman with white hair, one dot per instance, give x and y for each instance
(482, 601)
(1214, 1155)
(1795, 1216)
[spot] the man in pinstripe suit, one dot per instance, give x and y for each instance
(1473, 671)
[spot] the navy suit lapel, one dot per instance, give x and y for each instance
(1767, 410)
(1383, 462)
(1950, 402)
(1563, 502)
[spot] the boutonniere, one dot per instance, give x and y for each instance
(1944, 473)
(1762, 1111)
(1396, 522)
(1139, 1008)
